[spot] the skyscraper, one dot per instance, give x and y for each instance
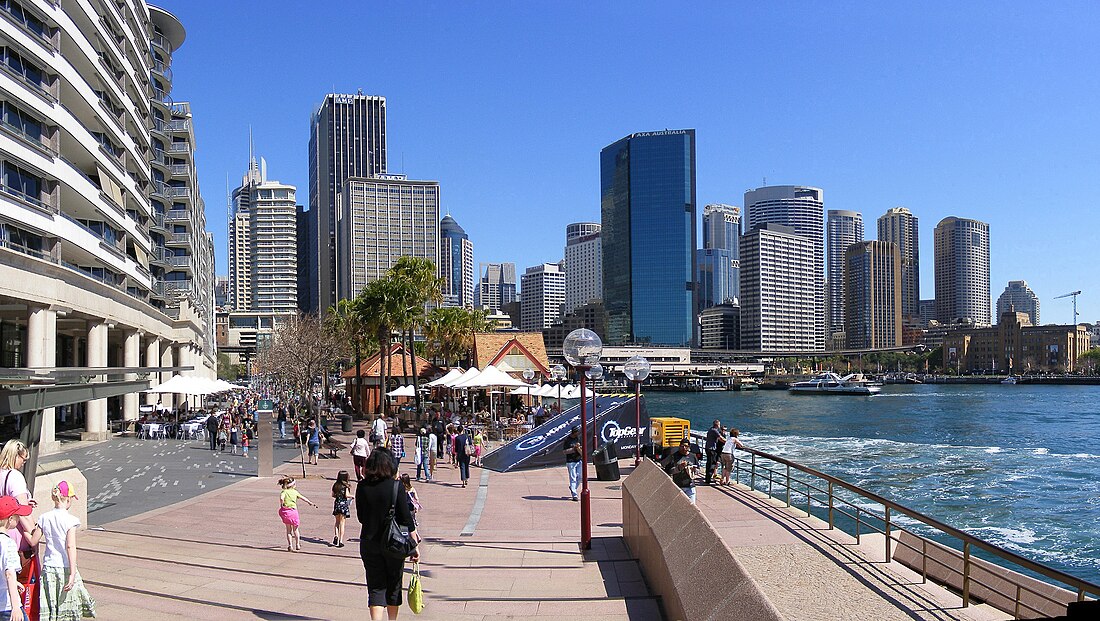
(647, 200)
(962, 270)
(872, 295)
(1019, 297)
(717, 275)
(263, 245)
(496, 286)
(583, 265)
(347, 138)
(307, 259)
(384, 218)
(843, 228)
(456, 263)
(899, 226)
(803, 209)
(777, 277)
(542, 292)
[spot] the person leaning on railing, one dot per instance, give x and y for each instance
(683, 466)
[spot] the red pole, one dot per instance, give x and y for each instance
(637, 424)
(586, 499)
(595, 427)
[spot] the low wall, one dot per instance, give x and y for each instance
(989, 583)
(684, 559)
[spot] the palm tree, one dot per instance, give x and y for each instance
(417, 284)
(348, 324)
(376, 307)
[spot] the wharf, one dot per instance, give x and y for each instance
(503, 548)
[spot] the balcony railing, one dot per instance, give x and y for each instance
(162, 42)
(177, 215)
(27, 250)
(179, 147)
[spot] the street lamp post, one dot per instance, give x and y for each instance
(594, 373)
(582, 349)
(637, 370)
(557, 372)
(529, 375)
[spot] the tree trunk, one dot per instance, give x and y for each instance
(358, 382)
(416, 379)
(383, 368)
(404, 357)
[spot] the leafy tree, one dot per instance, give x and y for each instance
(417, 285)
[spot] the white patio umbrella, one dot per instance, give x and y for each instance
(530, 391)
(489, 378)
(467, 375)
(403, 391)
(451, 375)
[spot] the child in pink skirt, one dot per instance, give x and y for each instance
(288, 512)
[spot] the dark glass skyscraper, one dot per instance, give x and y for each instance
(347, 138)
(647, 199)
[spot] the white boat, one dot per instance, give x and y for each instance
(833, 384)
(714, 384)
(747, 383)
(1010, 380)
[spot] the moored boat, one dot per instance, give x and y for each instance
(833, 384)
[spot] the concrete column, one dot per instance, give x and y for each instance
(131, 357)
(95, 424)
(152, 359)
(42, 352)
(167, 360)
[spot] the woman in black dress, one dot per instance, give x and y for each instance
(374, 496)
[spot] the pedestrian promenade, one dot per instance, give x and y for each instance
(503, 548)
(222, 555)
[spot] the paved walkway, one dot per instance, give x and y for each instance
(810, 572)
(222, 555)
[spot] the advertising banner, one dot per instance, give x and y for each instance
(542, 446)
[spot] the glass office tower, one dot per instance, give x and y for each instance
(647, 198)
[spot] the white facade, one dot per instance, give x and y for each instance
(263, 259)
(542, 292)
(843, 228)
(583, 265)
(803, 209)
(1019, 297)
(497, 285)
(962, 271)
(104, 255)
(384, 218)
(777, 281)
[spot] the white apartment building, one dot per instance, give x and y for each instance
(777, 289)
(583, 265)
(104, 256)
(263, 245)
(542, 292)
(384, 218)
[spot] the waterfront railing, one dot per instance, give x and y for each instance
(820, 491)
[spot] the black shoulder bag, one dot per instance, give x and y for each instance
(397, 542)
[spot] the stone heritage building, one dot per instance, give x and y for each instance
(1015, 346)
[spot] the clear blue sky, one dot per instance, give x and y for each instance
(978, 110)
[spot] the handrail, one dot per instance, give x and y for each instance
(1082, 586)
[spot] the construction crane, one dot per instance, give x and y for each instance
(1074, 295)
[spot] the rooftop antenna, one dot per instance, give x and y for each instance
(765, 182)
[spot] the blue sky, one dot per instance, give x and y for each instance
(978, 110)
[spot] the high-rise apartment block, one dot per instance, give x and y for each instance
(382, 219)
(307, 259)
(456, 263)
(647, 201)
(842, 229)
(542, 293)
(900, 226)
(263, 245)
(347, 138)
(803, 209)
(962, 271)
(583, 265)
(105, 260)
(496, 286)
(778, 284)
(872, 295)
(1018, 297)
(717, 273)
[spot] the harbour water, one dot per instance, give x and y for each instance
(1018, 465)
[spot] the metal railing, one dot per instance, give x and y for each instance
(824, 495)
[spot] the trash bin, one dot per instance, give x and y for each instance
(612, 450)
(345, 424)
(607, 469)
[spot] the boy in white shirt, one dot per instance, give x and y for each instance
(11, 604)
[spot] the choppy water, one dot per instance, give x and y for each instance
(1018, 466)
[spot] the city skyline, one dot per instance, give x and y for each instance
(983, 147)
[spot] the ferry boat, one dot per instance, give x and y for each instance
(717, 383)
(1010, 380)
(833, 384)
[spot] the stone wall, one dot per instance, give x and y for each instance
(684, 559)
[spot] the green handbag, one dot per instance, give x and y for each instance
(416, 593)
